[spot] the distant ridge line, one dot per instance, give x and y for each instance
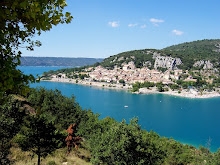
(59, 57)
(58, 61)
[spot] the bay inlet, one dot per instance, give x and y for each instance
(190, 121)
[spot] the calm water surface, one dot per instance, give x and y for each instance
(191, 121)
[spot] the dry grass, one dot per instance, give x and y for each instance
(59, 157)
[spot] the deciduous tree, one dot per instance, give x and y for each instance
(20, 21)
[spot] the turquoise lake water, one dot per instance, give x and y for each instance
(191, 121)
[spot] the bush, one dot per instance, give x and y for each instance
(121, 81)
(52, 162)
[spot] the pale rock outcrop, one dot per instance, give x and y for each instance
(167, 62)
(155, 54)
(218, 48)
(129, 66)
(121, 58)
(147, 64)
(205, 64)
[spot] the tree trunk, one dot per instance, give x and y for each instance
(38, 162)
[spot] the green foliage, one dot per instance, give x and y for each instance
(216, 159)
(160, 87)
(52, 162)
(136, 86)
(37, 135)
(204, 150)
(174, 86)
(109, 141)
(59, 109)
(20, 21)
(177, 153)
(138, 56)
(66, 71)
(162, 69)
(122, 143)
(190, 52)
(121, 81)
(216, 81)
(11, 79)
(135, 89)
(10, 120)
(82, 76)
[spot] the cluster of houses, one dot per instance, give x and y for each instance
(130, 74)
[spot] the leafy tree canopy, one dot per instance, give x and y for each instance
(38, 136)
(20, 21)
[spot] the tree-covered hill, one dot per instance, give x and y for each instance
(188, 52)
(138, 56)
(58, 61)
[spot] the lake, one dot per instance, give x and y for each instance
(190, 121)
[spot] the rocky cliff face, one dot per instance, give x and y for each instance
(166, 62)
(218, 47)
(205, 64)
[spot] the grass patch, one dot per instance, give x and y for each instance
(58, 157)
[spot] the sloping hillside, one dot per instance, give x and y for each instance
(190, 52)
(183, 56)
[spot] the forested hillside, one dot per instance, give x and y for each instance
(58, 61)
(188, 53)
(138, 56)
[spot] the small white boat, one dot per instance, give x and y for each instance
(125, 106)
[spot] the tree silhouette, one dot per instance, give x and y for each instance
(37, 135)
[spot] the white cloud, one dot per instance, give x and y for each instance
(113, 24)
(143, 26)
(132, 25)
(177, 32)
(156, 21)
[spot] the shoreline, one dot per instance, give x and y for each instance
(191, 94)
(182, 94)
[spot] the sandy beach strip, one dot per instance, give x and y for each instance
(183, 93)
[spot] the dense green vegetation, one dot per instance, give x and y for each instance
(190, 52)
(179, 84)
(20, 21)
(58, 61)
(69, 72)
(109, 141)
(138, 56)
(136, 86)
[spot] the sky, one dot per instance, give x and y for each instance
(102, 28)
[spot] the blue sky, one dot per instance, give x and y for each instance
(102, 28)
